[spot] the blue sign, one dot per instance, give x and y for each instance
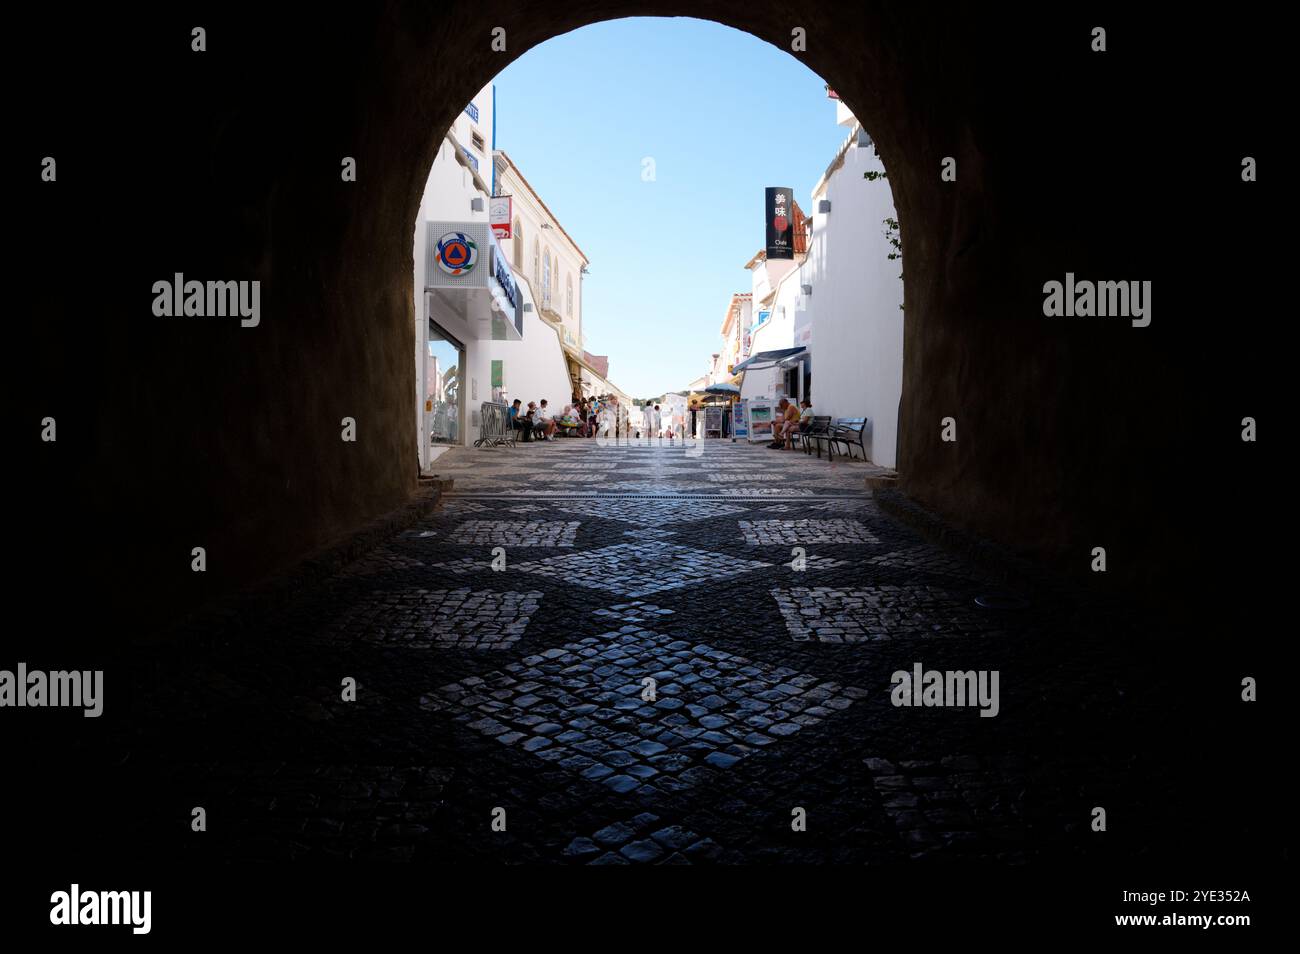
(762, 317)
(508, 287)
(472, 111)
(470, 156)
(740, 420)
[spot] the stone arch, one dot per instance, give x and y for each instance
(1069, 433)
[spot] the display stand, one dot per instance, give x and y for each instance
(713, 421)
(740, 421)
(759, 416)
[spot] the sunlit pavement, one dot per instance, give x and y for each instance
(681, 655)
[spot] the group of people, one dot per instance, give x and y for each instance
(655, 423)
(790, 420)
(583, 417)
(589, 417)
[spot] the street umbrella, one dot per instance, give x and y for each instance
(726, 389)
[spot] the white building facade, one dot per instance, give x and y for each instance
(553, 265)
(854, 316)
(497, 318)
(836, 307)
(464, 289)
(778, 301)
(735, 329)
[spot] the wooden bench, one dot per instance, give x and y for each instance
(845, 432)
(494, 426)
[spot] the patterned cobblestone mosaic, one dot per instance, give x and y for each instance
(584, 707)
(872, 613)
(640, 569)
(440, 619)
(510, 533)
(805, 532)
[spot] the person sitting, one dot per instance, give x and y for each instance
(786, 421)
(545, 421)
(569, 420)
(519, 421)
(528, 421)
(805, 416)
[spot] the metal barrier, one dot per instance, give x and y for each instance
(494, 428)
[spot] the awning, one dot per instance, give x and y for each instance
(766, 359)
(708, 398)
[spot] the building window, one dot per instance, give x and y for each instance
(519, 245)
(537, 263)
(546, 279)
(568, 296)
(476, 141)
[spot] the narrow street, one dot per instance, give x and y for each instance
(525, 689)
(300, 644)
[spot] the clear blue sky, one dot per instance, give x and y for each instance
(723, 114)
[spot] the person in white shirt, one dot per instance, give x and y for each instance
(649, 422)
(546, 421)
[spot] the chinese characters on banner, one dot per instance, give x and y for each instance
(780, 235)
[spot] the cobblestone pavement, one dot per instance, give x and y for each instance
(680, 656)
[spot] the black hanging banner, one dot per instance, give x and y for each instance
(780, 218)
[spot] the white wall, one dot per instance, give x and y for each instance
(766, 276)
(535, 368)
(746, 320)
(857, 324)
(774, 334)
(464, 125)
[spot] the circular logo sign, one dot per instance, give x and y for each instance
(779, 223)
(457, 254)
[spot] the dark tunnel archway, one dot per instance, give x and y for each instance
(1069, 432)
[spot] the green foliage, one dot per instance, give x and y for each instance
(895, 239)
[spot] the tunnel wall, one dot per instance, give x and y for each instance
(225, 164)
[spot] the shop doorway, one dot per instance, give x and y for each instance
(444, 364)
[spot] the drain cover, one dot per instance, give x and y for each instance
(1001, 601)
